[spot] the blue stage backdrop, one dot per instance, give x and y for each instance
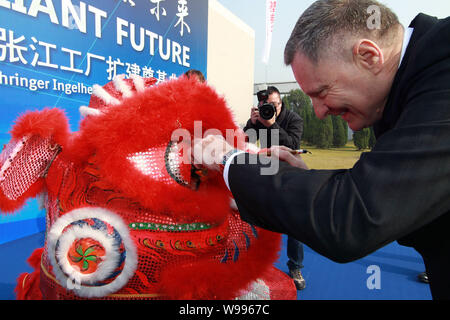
(52, 52)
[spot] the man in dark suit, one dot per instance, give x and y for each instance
(396, 79)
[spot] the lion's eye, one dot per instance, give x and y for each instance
(175, 164)
(168, 163)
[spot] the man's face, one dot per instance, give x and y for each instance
(340, 89)
(275, 99)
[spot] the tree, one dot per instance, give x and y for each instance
(307, 114)
(298, 100)
(372, 138)
(323, 133)
(361, 138)
(339, 132)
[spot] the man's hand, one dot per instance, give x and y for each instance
(209, 152)
(254, 115)
(285, 154)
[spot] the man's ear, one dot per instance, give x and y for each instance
(368, 55)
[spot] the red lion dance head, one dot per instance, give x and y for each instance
(128, 217)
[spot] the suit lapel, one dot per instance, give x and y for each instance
(394, 106)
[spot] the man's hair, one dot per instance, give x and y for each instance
(324, 21)
(195, 73)
(272, 89)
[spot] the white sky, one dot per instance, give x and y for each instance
(252, 12)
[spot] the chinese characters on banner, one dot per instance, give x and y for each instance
(182, 13)
(270, 21)
(13, 49)
(82, 43)
(158, 9)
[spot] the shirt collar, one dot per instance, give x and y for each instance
(406, 39)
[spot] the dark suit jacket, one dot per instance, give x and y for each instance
(399, 190)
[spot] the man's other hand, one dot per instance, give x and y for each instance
(285, 154)
(254, 115)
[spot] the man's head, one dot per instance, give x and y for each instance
(197, 74)
(274, 98)
(344, 61)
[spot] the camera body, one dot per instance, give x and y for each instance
(266, 110)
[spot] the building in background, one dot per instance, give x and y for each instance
(230, 67)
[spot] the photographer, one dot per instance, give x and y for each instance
(269, 120)
(286, 124)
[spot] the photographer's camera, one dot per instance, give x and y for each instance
(266, 110)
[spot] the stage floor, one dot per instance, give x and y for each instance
(398, 268)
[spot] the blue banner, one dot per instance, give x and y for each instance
(53, 51)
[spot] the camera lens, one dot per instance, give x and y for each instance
(267, 111)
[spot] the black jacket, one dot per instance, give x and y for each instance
(289, 125)
(399, 190)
